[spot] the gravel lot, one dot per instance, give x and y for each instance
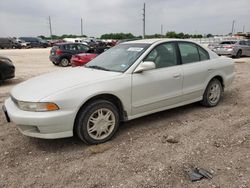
(216, 139)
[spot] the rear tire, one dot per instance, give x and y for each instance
(64, 62)
(212, 94)
(238, 54)
(1, 80)
(97, 122)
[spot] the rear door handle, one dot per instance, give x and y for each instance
(177, 75)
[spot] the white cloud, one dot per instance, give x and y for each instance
(29, 17)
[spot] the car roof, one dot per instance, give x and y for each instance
(67, 43)
(151, 41)
(145, 41)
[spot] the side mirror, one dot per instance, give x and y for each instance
(144, 66)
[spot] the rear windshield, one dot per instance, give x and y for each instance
(54, 48)
(228, 42)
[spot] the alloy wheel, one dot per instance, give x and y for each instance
(101, 124)
(214, 93)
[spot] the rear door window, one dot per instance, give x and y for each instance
(242, 42)
(70, 47)
(203, 54)
(189, 52)
(82, 48)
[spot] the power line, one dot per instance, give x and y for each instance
(144, 18)
(233, 27)
(81, 28)
(161, 31)
(50, 28)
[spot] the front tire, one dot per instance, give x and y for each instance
(212, 94)
(64, 62)
(97, 122)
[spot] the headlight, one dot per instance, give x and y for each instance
(37, 106)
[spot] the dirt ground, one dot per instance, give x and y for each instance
(216, 139)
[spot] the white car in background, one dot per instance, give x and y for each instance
(23, 43)
(128, 81)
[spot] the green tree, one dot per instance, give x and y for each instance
(118, 36)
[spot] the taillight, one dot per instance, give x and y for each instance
(58, 52)
(228, 46)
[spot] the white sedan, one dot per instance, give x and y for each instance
(128, 81)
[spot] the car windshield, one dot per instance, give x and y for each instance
(118, 58)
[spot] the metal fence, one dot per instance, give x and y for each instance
(206, 41)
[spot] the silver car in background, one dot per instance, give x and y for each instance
(233, 48)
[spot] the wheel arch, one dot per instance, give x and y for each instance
(65, 56)
(109, 97)
(218, 77)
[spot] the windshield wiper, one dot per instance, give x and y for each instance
(97, 67)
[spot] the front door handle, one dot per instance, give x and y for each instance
(210, 70)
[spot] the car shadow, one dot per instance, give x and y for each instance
(11, 82)
(57, 145)
(153, 119)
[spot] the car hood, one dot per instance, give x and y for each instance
(37, 88)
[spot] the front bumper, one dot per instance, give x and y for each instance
(54, 58)
(76, 62)
(8, 73)
(6, 114)
(47, 125)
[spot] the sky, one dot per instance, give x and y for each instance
(30, 17)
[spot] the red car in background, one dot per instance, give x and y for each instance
(82, 59)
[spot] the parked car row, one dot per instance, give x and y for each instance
(9, 43)
(75, 54)
(234, 48)
(35, 42)
(23, 42)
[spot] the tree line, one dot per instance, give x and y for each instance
(170, 34)
(56, 37)
(121, 36)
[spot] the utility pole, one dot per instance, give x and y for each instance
(143, 19)
(161, 31)
(233, 27)
(81, 28)
(243, 28)
(50, 28)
